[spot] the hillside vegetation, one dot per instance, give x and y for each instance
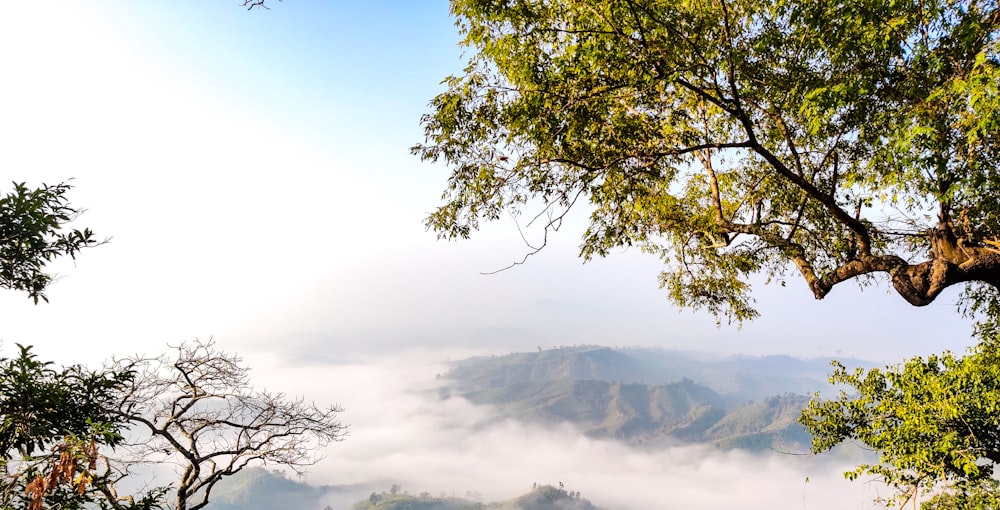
(260, 489)
(545, 497)
(648, 396)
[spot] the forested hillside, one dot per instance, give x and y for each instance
(545, 497)
(260, 489)
(648, 396)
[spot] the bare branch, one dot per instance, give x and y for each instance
(252, 4)
(200, 409)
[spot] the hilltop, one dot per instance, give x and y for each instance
(260, 489)
(648, 396)
(544, 497)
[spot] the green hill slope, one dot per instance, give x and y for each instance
(259, 489)
(751, 402)
(408, 502)
(543, 497)
(738, 377)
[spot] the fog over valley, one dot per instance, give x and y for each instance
(530, 259)
(404, 433)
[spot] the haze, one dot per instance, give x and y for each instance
(399, 434)
(252, 171)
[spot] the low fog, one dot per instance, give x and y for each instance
(401, 434)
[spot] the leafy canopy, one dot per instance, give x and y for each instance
(843, 140)
(40, 405)
(33, 233)
(52, 422)
(935, 423)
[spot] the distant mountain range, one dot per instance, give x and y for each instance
(260, 489)
(545, 497)
(649, 396)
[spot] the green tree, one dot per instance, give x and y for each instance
(33, 232)
(983, 495)
(842, 140)
(934, 422)
(52, 423)
(61, 440)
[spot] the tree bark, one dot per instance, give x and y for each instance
(951, 262)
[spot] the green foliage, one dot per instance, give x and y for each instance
(256, 488)
(51, 425)
(33, 233)
(398, 500)
(545, 497)
(40, 405)
(735, 137)
(935, 421)
(600, 392)
(981, 495)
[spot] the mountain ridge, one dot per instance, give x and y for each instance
(648, 396)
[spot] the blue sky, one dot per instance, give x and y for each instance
(253, 172)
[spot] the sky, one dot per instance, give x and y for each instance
(251, 172)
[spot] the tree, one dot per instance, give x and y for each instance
(52, 423)
(68, 437)
(33, 233)
(934, 422)
(844, 140)
(198, 410)
(984, 494)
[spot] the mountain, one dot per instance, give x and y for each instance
(545, 497)
(259, 489)
(584, 363)
(408, 502)
(737, 377)
(768, 423)
(648, 396)
(609, 409)
(265, 489)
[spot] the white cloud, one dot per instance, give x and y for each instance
(400, 434)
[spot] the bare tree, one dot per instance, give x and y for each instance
(201, 413)
(251, 4)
